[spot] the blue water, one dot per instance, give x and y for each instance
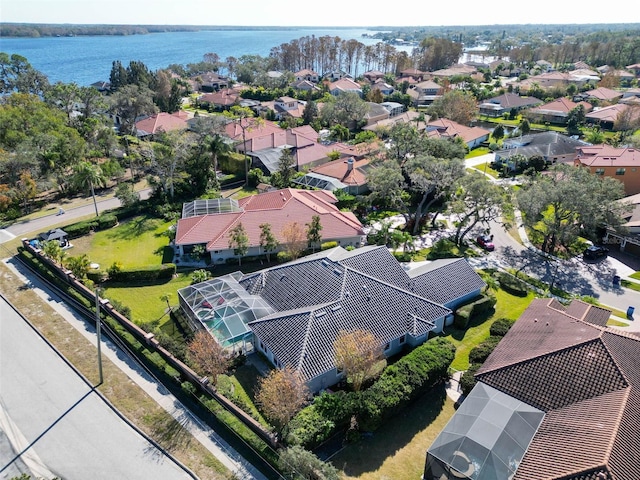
(85, 60)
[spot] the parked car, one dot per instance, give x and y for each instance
(595, 252)
(486, 242)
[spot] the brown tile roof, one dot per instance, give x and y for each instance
(339, 169)
(450, 129)
(587, 380)
(162, 122)
(603, 93)
(608, 156)
(561, 105)
(278, 208)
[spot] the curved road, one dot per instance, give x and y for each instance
(54, 424)
(577, 276)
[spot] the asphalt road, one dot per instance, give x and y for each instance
(42, 224)
(56, 425)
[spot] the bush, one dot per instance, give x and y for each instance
(444, 248)
(80, 229)
(106, 221)
(464, 314)
(309, 428)
(405, 380)
(512, 285)
(402, 256)
(481, 352)
(149, 273)
(97, 276)
(468, 380)
(500, 327)
(328, 245)
(283, 257)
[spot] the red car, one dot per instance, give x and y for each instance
(486, 242)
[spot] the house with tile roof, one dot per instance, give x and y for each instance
(410, 116)
(343, 85)
(162, 122)
(553, 147)
(302, 142)
(600, 94)
(555, 112)
(505, 103)
(445, 128)
(425, 92)
(307, 75)
(301, 306)
(558, 399)
(622, 163)
(348, 175)
(220, 100)
(209, 222)
(606, 117)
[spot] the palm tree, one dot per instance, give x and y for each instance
(86, 174)
(217, 146)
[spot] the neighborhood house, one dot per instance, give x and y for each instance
(209, 222)
(293, 313)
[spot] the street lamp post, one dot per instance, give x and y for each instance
(99, 335)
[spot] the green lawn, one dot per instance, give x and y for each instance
(508, 306)
(144, 301)
(397, 450)
(476, 152)
(135, 242)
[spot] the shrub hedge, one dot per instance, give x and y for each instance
(80, 229)
(500, 327)
(150, 273)
(468, 380)
(464, 314)
(405, 380)
(511, 284)
(480, 352)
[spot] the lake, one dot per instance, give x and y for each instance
(88, 59)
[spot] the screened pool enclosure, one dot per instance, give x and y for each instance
(485, 439)
(224, 308)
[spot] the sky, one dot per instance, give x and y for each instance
(299, 13)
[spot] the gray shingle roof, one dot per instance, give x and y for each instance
(317, 296)
(545, 144)
(445, 280)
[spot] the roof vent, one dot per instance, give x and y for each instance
(321, 313)
(347, 294)
(282, 277)
(335, 308)
(325, 263)
(337, 271)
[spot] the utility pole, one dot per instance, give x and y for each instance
(99, 335)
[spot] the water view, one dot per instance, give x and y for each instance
(85, 60)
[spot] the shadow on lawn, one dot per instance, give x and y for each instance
(135, 227)
(371, 452)
(459, 334)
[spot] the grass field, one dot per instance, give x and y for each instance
(398, 449)
(144, 301)
(508, 306)
(135, 242)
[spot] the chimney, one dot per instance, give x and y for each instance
(349, 164)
